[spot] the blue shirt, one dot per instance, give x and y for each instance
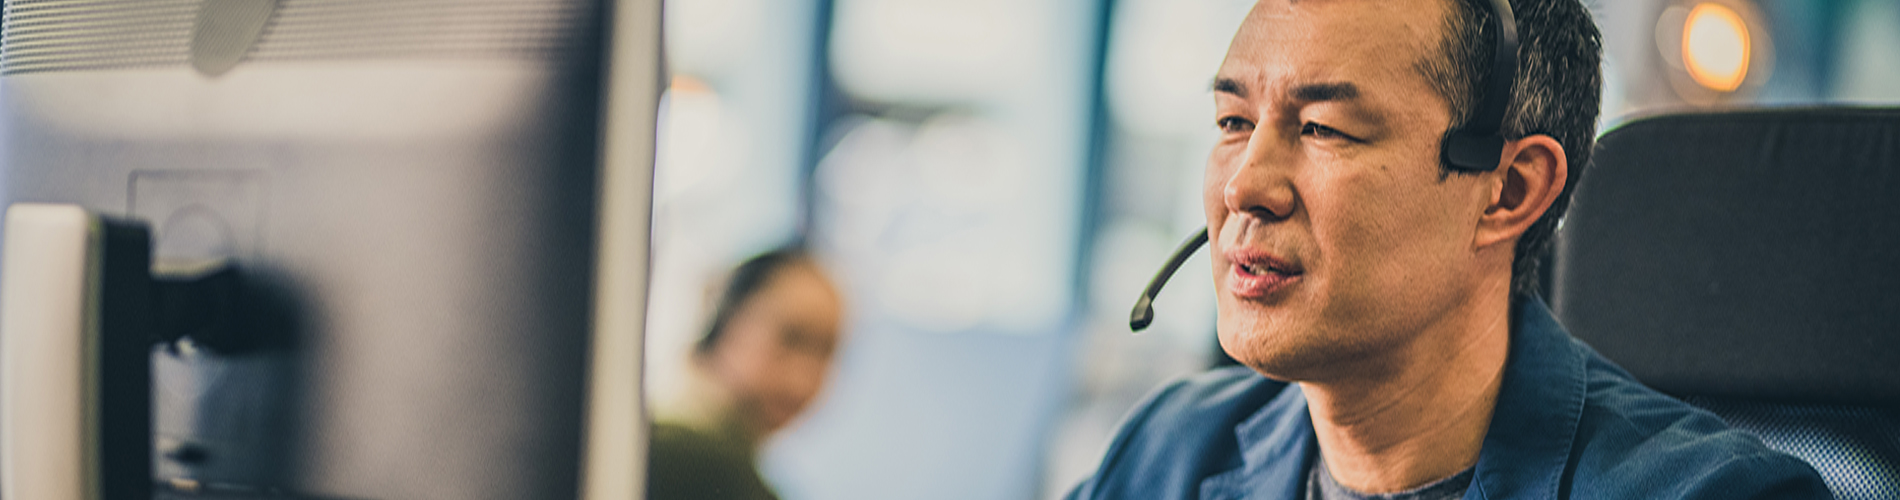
(1568, 424)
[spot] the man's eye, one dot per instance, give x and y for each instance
(1234, 125)
(1323, 132)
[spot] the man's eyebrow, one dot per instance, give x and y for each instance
(1330, 91)
(1230, 86)
(1312, 92)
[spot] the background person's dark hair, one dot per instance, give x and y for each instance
(746, 281)
(1556, 93)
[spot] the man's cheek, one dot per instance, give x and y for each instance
(1214, 198)
(1211, 193)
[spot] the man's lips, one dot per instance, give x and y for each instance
(1256, 274)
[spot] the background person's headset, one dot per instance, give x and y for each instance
(1475, 147)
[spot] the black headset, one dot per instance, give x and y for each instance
(1474, 147)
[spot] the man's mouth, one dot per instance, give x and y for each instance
(1257, 275)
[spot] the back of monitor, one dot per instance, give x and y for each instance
(411, 188)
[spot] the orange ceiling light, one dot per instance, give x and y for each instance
(1715, 47)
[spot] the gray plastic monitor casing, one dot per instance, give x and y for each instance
(412, 184)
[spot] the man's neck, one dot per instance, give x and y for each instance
(1423, 414)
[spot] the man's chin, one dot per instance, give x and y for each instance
(1259, 351)
(1276, 353)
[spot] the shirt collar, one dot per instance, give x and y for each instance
(1276, 448)
(1525, 449)
(1540, 403)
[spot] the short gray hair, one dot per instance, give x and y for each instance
(1557, 93)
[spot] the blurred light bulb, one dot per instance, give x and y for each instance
(1715, 47)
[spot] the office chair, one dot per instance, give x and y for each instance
(1749, 262)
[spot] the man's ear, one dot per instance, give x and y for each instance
(1531, 175)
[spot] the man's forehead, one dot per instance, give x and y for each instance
(1284, 7)
(1289, 44)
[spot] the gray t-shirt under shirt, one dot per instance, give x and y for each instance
(1320, 485)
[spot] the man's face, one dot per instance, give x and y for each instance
(1334, 238)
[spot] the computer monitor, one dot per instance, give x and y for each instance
(413, 190)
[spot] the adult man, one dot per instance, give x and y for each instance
(1393, 290)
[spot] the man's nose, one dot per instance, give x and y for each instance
(1262, 184)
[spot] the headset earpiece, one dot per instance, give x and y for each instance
(1476, 146)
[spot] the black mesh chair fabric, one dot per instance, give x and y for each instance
(1854, 448)
(1750, 261)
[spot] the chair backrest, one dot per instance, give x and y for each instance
(1750, 262)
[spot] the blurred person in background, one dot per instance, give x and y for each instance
(765, 355)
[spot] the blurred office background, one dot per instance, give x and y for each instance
(992, 182)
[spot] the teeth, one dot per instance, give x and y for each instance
(1260, 269)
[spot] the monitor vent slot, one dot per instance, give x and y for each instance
(70, 35)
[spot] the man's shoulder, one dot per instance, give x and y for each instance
(1180, 434)
(1635, 442)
